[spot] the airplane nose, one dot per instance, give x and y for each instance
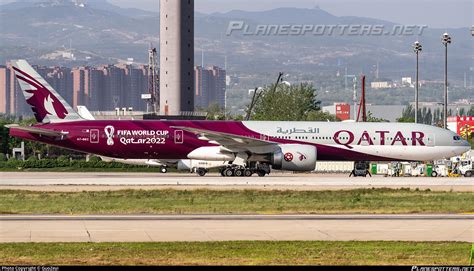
(466, 146)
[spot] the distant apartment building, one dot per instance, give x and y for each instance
(96, 89)
(60, 78)
(134, 83)
(201, 87)
(16, 104)
(381, 85)
(81, 86)
(106, 87)
(407, 82)
(210, 86)
(4, 90)
(113, 88)
(138, 86)
(118, 86)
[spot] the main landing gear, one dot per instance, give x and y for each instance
(236, 171)
(163, 169)
(201, 171)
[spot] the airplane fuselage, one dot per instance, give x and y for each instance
(334, 141)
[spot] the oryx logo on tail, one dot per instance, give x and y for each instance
(46, 103)
(42, 100)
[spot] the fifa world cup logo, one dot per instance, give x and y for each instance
(109, 132)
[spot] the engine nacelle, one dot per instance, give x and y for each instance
(210, 154)
(191, 164)
(294, 157)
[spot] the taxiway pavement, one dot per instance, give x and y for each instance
(138, 228)
(52, 181)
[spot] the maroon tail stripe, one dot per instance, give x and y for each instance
(27, 75)
(29, 81)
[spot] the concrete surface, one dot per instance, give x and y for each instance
(236, 227)
(48, 181)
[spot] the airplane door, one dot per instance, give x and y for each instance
(178, 137)
(94, 136)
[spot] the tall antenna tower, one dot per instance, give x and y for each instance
(153, 97)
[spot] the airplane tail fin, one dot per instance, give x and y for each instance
(47, 105)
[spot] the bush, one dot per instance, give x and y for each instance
(63, 158)
(94, 159)
(63, 162)
(3, 157)
(32, 158)
(14, 163)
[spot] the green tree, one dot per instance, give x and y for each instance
(471, 111)
(408, 114)
(290, 103)
(437, 117)
(215, 112)
(425, 115)
(371, 118)
(428, 118)
(321, 116)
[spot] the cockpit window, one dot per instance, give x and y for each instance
(457, 138)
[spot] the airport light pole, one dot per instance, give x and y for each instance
(446, 39)
(417, 48)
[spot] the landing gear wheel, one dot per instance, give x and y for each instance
(434, 174)
(222, 172)
(238, 172)
(229, 172)
(163, 170)
(261, 173)
(248, 173)
(201, 172)
(468, 174)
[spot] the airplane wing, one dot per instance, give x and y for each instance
(227, 140)
(39, 131)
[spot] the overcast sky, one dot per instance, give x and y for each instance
(434, 13)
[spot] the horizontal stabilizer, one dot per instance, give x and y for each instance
(38, 131)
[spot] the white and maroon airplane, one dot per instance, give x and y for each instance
(249, 147)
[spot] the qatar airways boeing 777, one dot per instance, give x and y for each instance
(249, 147)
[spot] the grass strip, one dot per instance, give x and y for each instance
(237, 253)
(367, 201)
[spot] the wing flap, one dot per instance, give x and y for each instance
(225, 139)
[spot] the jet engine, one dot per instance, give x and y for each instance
(294, 157)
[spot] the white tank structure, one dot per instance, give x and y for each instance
(176, 57)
